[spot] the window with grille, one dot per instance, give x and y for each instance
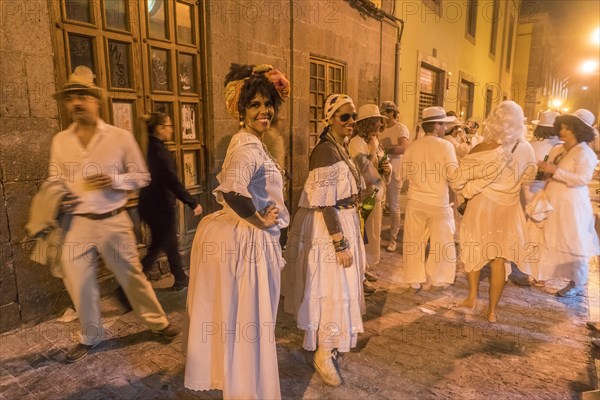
(465, 105)
(326, 77)
(471, 18)
(430, 89)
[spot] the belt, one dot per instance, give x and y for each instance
(101, 216)
(345, 207)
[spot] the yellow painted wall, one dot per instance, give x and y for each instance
(425, 31)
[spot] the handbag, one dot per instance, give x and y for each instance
(539, 208)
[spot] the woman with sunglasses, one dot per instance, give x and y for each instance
(325, 250)
(565, 241)
(368, 155)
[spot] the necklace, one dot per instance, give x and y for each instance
(343, 152)
(279, 168)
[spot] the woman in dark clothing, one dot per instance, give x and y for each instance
(157, 203)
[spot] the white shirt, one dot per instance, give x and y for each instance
(111, 151)
(429, 164)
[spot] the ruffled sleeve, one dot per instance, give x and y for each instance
(242, 161)
(326, 185)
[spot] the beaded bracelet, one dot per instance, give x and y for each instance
(341, 245)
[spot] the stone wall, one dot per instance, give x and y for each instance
(28, 119)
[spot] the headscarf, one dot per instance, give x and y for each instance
(333, 103)
(234, 88)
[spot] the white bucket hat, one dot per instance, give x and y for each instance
(587, 117)
(546, 119)
(436, 114)
(369, 111)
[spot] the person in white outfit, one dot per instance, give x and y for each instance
(367, 154)
(98, 164)
(394, 139)
(545, 137)
(322, 281)
(565, 241)
(493, 226)
(428, 165)
(236, 257)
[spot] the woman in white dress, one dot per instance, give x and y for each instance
(493, 226)
(322, 282)
(367, 154)
(236, 257)
(566, 240)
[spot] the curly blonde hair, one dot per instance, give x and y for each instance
(505, 123)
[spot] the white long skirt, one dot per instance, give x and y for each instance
(231, 309)
(490, 230)
(327, 299)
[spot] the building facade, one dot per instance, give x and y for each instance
(171, 56)
(458, 55)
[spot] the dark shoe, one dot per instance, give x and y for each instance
(570, 290)
(522, 280)
(78, 352)
(593, 325)
(178, 286)
(120, 295)
(170, 331)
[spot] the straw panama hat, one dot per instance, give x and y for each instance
(546, 119)
(81, 80)
(436, 114)
(369, 111)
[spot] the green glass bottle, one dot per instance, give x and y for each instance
(368, 205)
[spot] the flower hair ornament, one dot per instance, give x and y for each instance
(234, 88)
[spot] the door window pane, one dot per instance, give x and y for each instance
(116, 14)
(81, 51)
(160, 70)
(188, 122)
(157, 19)
(190, 168)
(184, 24)
(119, 54)
(78, 10)
(187, 80)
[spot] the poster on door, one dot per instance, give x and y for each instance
(188, 122)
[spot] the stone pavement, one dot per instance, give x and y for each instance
(414, 347)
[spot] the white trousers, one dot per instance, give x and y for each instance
(393, 200)
(423, 223)
(373, 230)
(112, 239)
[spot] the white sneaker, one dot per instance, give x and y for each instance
(391, 246)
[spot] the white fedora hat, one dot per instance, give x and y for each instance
(546, 119)
(436, 114)
(369, 111)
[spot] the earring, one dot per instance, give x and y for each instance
(241, 123)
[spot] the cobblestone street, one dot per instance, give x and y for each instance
(414, 347)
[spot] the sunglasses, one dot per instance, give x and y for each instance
(346, 117)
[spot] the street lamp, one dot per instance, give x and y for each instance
(589, 66)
